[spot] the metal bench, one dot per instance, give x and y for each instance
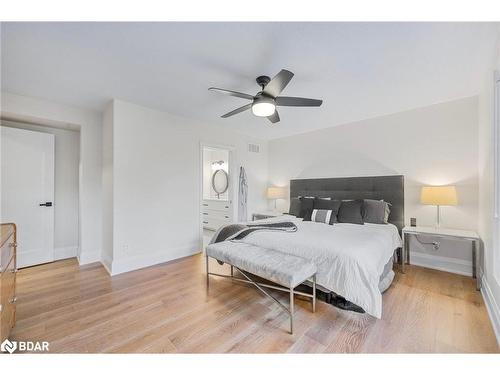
(288, 271)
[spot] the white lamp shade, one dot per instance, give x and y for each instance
(439, 195)
(263, 109)
(263, 106)
(276, 192)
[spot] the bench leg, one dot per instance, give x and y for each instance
(291, 310)
(206, 263)
(314, 294)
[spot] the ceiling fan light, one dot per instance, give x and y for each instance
(263, 109)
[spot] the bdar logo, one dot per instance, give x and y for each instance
(8, 346)
(24, 346)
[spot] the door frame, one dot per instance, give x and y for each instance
(48, 229)
(41, 124)
(232, 182)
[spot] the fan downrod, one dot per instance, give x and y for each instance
(262, 81)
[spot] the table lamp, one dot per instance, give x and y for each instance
(439, 196)
(276, 193)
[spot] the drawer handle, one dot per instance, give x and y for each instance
(227, 206)
(205, 213)
(13, 300)
(205, 222)
(13, 244)
(205, 204)
(227, 217)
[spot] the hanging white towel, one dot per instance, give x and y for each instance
(242, 196)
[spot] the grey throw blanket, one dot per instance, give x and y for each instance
(239, 231)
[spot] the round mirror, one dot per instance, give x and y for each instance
(220, 181)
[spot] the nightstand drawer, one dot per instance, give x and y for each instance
(264, 215)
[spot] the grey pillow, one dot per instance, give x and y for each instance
(375, 211)
(351, 212)
(306, 207)
(295, 206)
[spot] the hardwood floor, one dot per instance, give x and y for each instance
(165, 309)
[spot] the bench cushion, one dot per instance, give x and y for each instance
(284, 269)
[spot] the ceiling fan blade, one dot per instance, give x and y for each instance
(237, 110)
(278, 83)
(290, 101)
(274, 118)
(232, 93)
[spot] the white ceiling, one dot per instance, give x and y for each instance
(360, 70)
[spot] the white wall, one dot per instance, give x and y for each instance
(431, 145)
(156, 183)
(488, 225)
(39, 111)
(107, 186)
(66, 166)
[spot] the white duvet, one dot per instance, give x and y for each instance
(350, 258)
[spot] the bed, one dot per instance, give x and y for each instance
(354, 261)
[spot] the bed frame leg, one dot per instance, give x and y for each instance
(291, 310)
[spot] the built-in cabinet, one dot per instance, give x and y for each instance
(7, 279)
(215, 213)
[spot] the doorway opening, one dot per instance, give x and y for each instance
(217, 189)
(40, 190)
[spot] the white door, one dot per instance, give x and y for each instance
(27, 192)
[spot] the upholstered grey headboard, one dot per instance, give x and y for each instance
(388, 188)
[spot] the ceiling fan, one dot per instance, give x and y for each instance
(264, 103)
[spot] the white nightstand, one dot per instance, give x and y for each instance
(466, 235)
(265, 215)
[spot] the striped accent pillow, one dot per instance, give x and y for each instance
(321, 216)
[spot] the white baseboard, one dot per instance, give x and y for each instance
(453, 265)
(86, 257)
(145, 260)
(107, 263)
(492, 306)
(34, 257)
(65, 252)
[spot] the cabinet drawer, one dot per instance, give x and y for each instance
(8, 315)
(214, 214)
(6, 253)
(214, 223)
(215, 205)
(7, 299)
(8, 280)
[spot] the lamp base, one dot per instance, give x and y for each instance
(438, 217)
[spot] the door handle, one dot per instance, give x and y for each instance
(46, 204)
